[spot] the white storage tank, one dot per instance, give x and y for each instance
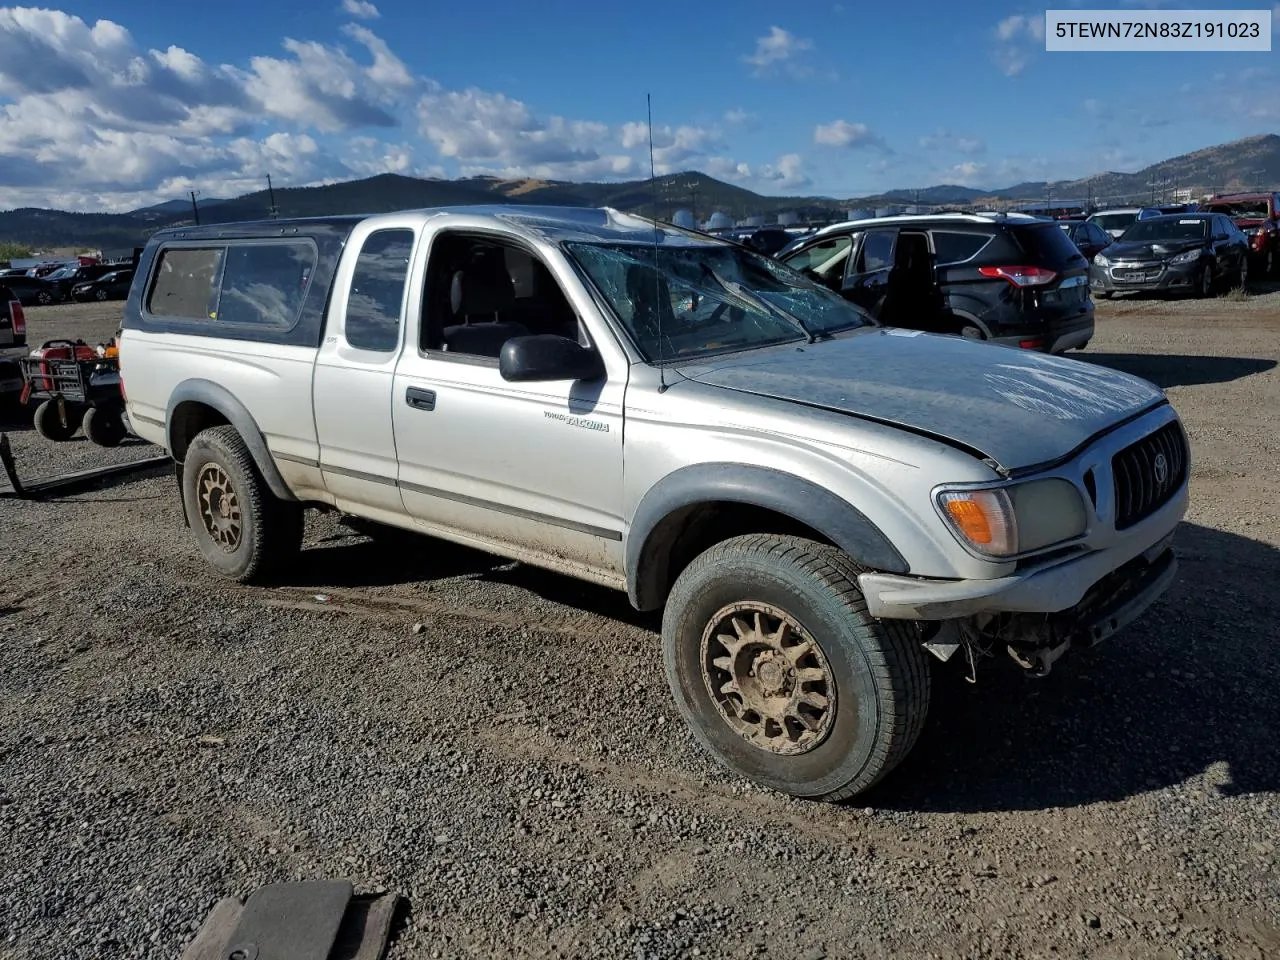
(684, 219)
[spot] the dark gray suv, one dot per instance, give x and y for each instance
(1011, 279)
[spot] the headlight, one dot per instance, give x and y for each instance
(1015, 519)
(1191, 256)
(1101, 261)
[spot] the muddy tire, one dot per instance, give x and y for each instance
(103, 427)
(242, 529)
(782, 674)
(48, 422)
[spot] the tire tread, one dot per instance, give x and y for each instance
(898, 665)
(277, 529)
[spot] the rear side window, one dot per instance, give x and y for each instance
(1047, 245)
(377, 290)
(264, 284)
(949, 247)
(183, 286)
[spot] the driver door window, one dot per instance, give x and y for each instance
(825, 260)
(869, 281)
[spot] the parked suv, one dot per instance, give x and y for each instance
(1258, 215)
(1012, 279)
(814, 502)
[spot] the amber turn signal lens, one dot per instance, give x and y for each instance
(983, 518)
(970, 520)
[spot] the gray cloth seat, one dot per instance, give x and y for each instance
(478, 296)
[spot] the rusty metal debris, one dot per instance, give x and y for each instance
(45, 488)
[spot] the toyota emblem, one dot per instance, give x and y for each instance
(1161, 468)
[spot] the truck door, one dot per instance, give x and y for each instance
(356, 366)
(535, 467)
(867, 282)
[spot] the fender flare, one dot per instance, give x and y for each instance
(219, 398)
(645, 556)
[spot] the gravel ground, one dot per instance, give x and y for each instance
(498, 744)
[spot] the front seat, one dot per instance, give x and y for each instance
(478, 296)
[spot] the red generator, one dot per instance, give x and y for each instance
(42, 374)
(79, 388)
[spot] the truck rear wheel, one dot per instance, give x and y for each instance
(783, 675)
(103, 427)
(49, 424)
(241, 527)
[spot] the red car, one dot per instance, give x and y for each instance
(1258, 215)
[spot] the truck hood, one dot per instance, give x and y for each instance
(1015, 408)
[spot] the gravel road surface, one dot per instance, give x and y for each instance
(498, 744)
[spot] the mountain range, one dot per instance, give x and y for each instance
(1251, 163)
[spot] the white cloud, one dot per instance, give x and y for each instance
(90, 119)
(778, 51)
(93, 118)
(787, 174)
(323, 87)
(362, 9)
(842, 133)
(1017, 36)
(674, 148)
(966, 174)
(493, 133)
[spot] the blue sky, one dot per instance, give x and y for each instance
(112, 105)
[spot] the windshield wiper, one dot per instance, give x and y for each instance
(742, 293)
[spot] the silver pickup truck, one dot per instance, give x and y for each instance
(816, 503)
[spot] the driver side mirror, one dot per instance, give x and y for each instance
(547, 357)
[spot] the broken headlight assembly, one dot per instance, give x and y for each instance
(1011, 520)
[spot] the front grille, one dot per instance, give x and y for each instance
(1148, 473)
(1139, 272)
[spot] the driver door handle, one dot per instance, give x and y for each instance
(420, 399)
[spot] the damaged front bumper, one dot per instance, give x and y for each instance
(1035, 639)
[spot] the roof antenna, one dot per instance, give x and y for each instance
(657, 278)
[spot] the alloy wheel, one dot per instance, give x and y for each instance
(769, 679)
(219, 507)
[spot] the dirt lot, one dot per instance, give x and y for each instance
(515, 767)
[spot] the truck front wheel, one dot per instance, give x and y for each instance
(242, 529)
(783, 675)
